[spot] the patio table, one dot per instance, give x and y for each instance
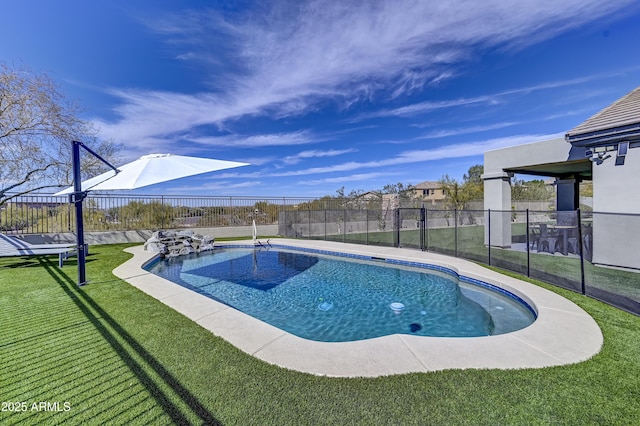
(565, 230)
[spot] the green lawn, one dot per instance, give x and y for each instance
(118, 356)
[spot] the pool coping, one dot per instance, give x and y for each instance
(563, 333)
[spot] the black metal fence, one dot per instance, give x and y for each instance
(30, 214)
(595, 254)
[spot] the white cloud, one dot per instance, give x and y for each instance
(350, 178)
(418, 156)
(422, 107)
(282, 58)
(259, 161)
(255, 141)
(295, 159)
(463, 131)
(490, 99)
(216, 187)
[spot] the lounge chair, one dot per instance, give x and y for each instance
(15, 247)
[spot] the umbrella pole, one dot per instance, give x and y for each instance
(78, 197)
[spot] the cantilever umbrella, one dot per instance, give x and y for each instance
(151, 169)
(147, 170)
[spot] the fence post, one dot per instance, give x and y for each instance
(422, 226)
(426, 229)
(162, 210)
(528, 251)
(325, 223)
(367, 226)
(489, 235)
(455, 231)
(344, 225)
(396, 225)
(579, 244)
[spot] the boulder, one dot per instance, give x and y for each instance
(175, 243)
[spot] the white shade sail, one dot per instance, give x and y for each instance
(152, 169)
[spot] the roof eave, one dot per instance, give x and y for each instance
(630, 133)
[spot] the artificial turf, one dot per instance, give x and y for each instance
(107, 353)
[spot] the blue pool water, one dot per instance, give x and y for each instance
(335, 299)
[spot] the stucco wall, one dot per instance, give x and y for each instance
(616, 189)
(544, 152)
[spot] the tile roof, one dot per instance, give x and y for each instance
(621, 116)
(428, 185)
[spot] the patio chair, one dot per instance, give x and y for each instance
(14, 247)
(534, 236)
(587, 241)
(572, 241)
(548, 239)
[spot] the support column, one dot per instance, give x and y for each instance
(497, 199)
(567, 194)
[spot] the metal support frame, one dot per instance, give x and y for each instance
(77, 197)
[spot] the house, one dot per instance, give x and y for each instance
(429, 191)
(604, 150)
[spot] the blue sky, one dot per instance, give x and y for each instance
(318, 95)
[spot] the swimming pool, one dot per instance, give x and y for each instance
(322, 297)
(562, 333)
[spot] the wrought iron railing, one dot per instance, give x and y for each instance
(30, 214)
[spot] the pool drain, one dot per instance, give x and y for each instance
(325, 306)
(397, 307)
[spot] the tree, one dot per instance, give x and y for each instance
(37, 125)
(455, 196)
(473, 185)
(458, 195)
(474, 175)
(586, 189)
(533, 190)
(398, 188)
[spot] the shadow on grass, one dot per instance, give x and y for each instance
(95, 314)
(37, 261)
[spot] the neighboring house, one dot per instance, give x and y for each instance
(603, 149)
(429, 191)
(364, 200)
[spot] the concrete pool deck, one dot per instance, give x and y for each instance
(562, 334)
